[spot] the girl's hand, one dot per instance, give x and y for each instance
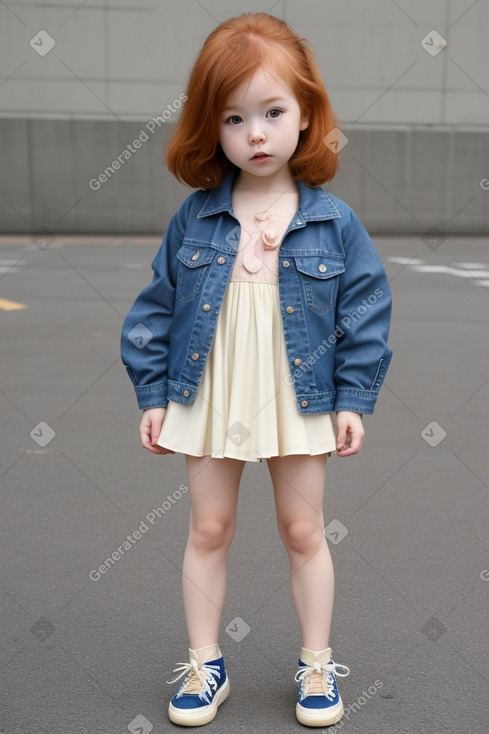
(350, 433)
(150, 429)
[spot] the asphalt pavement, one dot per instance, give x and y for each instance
(93, 527)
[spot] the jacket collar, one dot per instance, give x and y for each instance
(314, 204)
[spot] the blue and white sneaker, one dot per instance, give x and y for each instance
(319, 702)
(204, 688)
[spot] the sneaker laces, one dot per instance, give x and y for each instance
(200, 678)
(318, 679)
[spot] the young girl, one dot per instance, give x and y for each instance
(268, 312)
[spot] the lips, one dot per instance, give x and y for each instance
(260, 156)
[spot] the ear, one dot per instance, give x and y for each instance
(304, 123)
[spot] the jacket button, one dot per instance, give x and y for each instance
(305, 403)
(196, 256)
(186, 393)
(298, 362)
(195, 355)
(290, 309)
(322, 268)
(286, 263)
(221, 260)
(206, 307)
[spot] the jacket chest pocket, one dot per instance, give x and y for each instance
(319, 275)
(192, 270)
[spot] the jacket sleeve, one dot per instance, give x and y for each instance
(145, 336)
(363, 313)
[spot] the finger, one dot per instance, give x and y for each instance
(144, 434)
(156, 426)
(356, 442)
(155, 433)
(346, 451)
(153, 436)
(149, 432)
(341, 438)
(147, 440)
(159, 450)
(353, 446)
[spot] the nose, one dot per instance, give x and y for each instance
(256, 134)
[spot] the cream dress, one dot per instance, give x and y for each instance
(246, 406)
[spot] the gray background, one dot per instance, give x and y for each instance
(417, 124)
(412, 571)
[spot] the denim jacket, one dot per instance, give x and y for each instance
(334, 294)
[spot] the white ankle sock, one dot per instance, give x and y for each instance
(209, 652)
(311, 656)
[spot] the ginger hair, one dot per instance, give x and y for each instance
(232, 53)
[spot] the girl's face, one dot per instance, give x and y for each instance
(259, 127)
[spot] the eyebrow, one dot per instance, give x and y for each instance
(263, 101)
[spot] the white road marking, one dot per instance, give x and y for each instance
(406, 260)
(475, 271)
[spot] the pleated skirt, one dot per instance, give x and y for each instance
(246, 406)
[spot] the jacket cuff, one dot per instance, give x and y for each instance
(152, 396)
(358, 401)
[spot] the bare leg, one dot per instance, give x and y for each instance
(213, 487)
(298, 484)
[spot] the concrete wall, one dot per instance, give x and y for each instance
(396, 180)
(80, 81)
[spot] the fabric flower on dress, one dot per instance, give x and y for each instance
(252, 258)
(269, 237)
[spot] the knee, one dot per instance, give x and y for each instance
(302, 536)
(212, 534)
